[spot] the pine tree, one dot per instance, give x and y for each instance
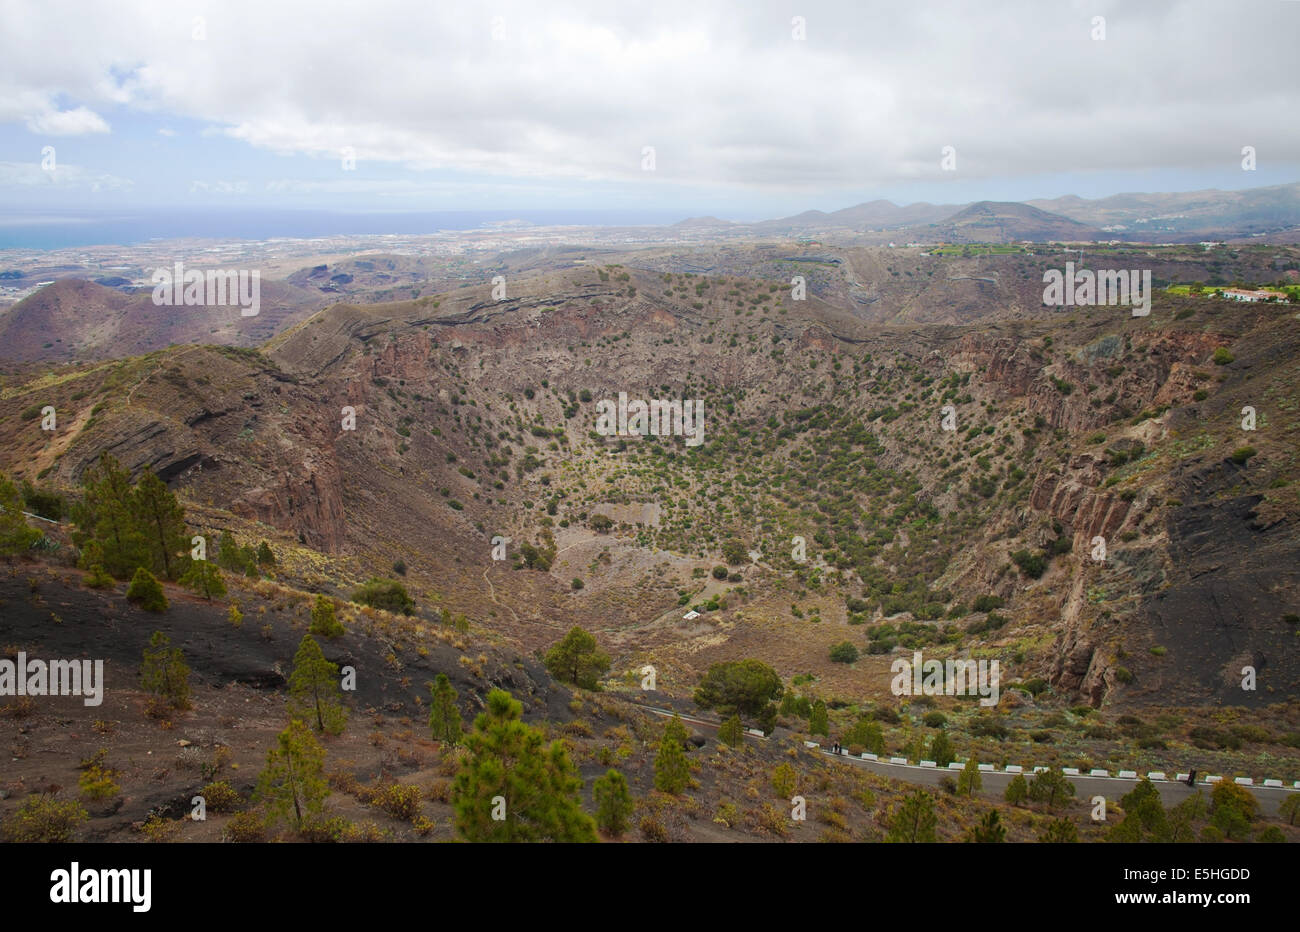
(104, 515)
(293, 780)
(534, 788)
(314, 693)
(867, 734)
(613, 803)
(818, 723)
(164, 673)
(672, 770)
(146, 592)
(1017, 790)
(15, 536)
(444, 716)
(264, 555)
(988, 830)
(323, 620)
(1143, 814)
(1051, 787)
(1290, 808)
(1059, 831)
(970, 782)
(577, 659)
(941, 750)
(160, 521)
(914, 821)
(732, 732)
(203, 578)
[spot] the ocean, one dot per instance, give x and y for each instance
(55, 229)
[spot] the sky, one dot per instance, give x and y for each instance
(742, 110)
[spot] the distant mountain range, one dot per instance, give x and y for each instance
(1270, 213)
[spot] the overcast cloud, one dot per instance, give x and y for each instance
(734, 106)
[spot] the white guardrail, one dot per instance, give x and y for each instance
(1155, 776)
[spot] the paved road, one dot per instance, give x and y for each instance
(994, 782)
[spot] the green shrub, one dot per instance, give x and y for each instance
(323, 620)
(220, 796)
(42, 818)
(1222, 357)
(145, 591)
(387, 594)
(844, 652)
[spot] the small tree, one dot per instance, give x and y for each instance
(743, 686)
(1232, 809)
(988, 830)
(234, 615)
(1051, 787)
(164, 673)
(15, 536)
(1143, 814)
(613, 803)
(444, 717)
(1059, 831)
(293, 780)
(515, 788)
(732, 732)
(941, 750)
(161, 522)
(914, 822)
(1290, 808)
(1017, 790)
(204, 579)
(867, 734)
(785, 780)
(672, 770)
(97, 578)
(264, 555)
(818, 723)
(323, 620)
(577, 659)
(145, 592)
(970, 782)
(314, 693)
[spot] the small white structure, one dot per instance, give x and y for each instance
(928, 763)
(1097, 772)
(1041, 769)
(1157, 775)
(1214, 779)
(691, 615)
(756, 732)
(1183, 777)
(898, 760)
(1070, 771)
(986, 767)
(1128, 775)
(1244, 781)
(811, 744)
(867, 755)
(956, 766)
(1272, 782)
(1015, 768)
